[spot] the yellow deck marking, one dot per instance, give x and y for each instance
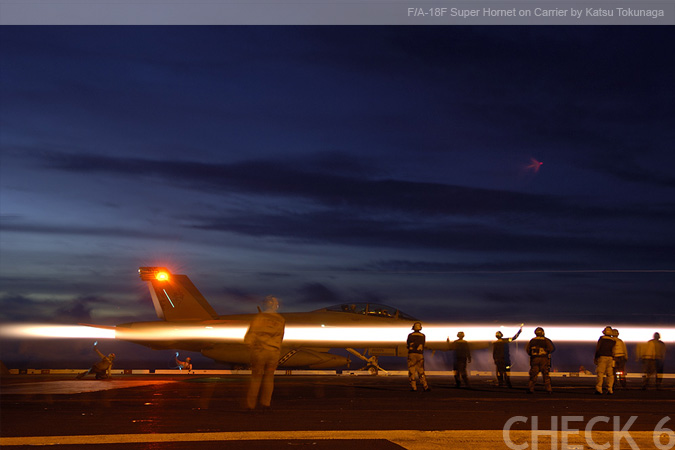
(76, 386)
(409, 439)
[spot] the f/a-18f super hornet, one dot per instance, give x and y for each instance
(188, 322)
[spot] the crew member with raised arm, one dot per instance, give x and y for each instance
(502, 357)
(184, 365)
(103, 368)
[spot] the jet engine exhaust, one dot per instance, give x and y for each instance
(55, 331)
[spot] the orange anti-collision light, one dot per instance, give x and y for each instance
(162, 276)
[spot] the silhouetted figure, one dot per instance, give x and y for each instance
(462, 358)
(101, 369)
(540, 348)
(502, 357)
(264, 337)
(620, 358)
(652, 355)
(415, 343)
(184, 365)
(604, 361)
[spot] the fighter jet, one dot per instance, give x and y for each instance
(188, 322)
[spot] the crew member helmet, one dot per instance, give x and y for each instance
(417, 326)
(271, 303)
(460, 334)
(607, 331)
(499, 335)
(539, 331)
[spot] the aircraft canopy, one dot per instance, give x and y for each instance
(370, 309)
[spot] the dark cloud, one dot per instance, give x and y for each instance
(78, 310)
(339, 228)
(277, 179)
(514, 299)
(317, 293)
(18, 308)
(359, 211)
(404, 266)
(235, 298)
(637, 167)
(20, 225)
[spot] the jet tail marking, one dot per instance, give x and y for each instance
(175, 297)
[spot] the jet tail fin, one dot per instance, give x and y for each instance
(175, 297)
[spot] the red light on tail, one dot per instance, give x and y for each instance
(162, 276)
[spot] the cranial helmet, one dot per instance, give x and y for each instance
(271, 303)
(539, 331)
(607, 331)
(417, 326)
(460, 334)
(499, 335)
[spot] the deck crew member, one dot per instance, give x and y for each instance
(502, 357)
(415, 344)
(264, 337)
(604, 361)
(540, 348)
(184, 365)
(652, 355)
(462, 358)
(620, 358)
(103, 368)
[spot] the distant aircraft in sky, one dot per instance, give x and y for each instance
(189, 323)
(534, 165)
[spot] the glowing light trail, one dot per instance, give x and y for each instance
(333, 336)
(55, 331)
